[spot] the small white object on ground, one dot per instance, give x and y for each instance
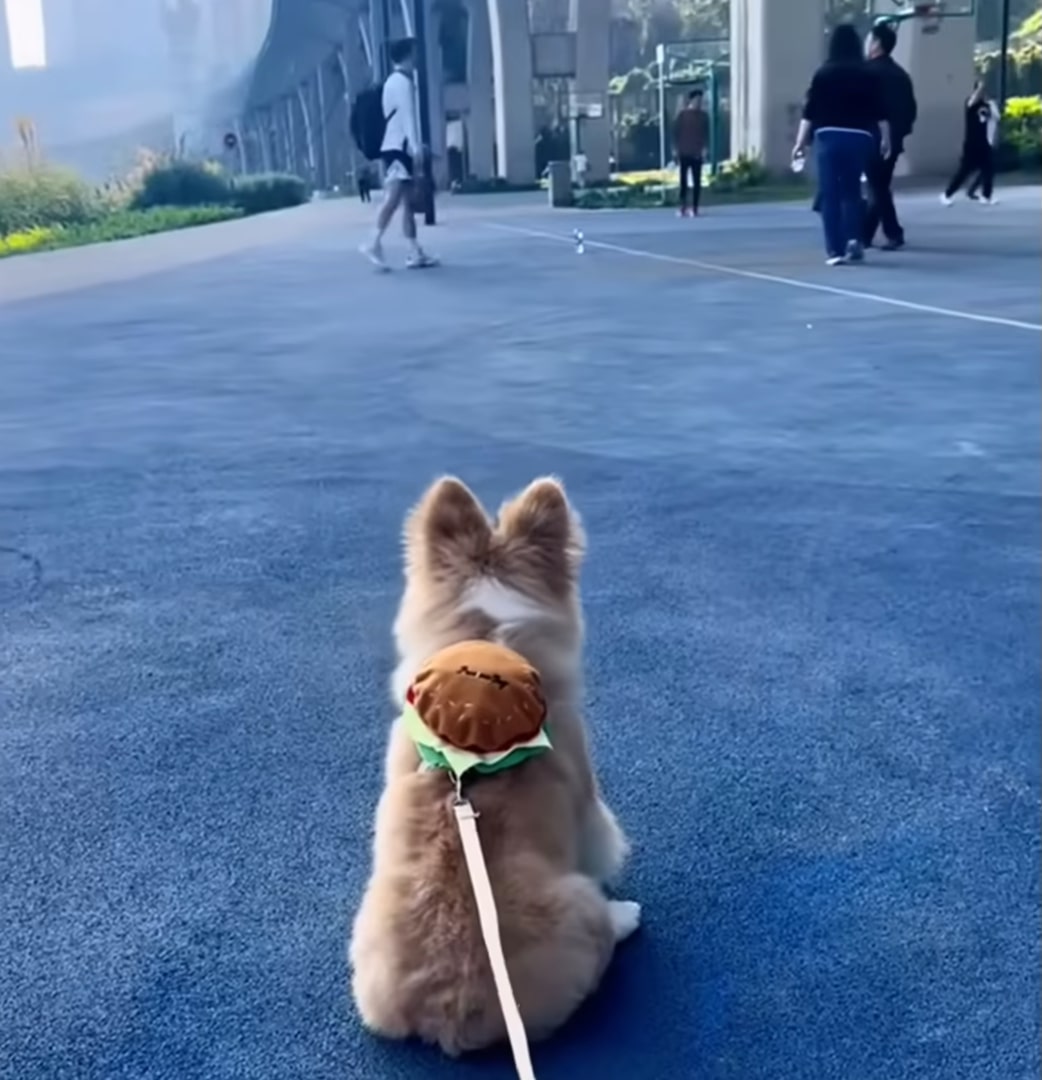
(580, 246)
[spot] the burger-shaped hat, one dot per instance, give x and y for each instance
(476, 706)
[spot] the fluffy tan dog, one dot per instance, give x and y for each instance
(419, 963)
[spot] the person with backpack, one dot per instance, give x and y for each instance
(384, 126)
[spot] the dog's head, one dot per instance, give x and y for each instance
(513, 579)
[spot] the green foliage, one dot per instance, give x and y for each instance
(742, 173)
(675, 20)
(1022, 133)
(1031, 28)
(40, 195)
(118, 225)
(42, 207)
(989, 17)
(192, 183)
(181, 183)
(638, 142)
(26, 240)
(1023, 69)
(741, 180)
(495, 186)
(262, 192)
(1024, 60)
(625, 197)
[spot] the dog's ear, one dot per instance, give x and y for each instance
(542, 520)
(448, 531)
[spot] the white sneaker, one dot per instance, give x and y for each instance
(420, 260)
(836, 260)
(374, 252)
(946, 200)
(992, 201)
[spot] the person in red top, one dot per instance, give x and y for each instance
(690, 137)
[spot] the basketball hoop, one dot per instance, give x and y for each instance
(929, 16)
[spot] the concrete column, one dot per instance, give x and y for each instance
(512, 71)
(941, 66)
(358, 63)
(307, 130)
(481, 111)
(590, 21)
(775, 49)
(436, 95)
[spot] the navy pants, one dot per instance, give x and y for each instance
(842, 157)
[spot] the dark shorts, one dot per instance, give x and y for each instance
(396, 161)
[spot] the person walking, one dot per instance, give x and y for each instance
(365, 184)
(901, 112)
(690, 139)
(401, 152)
(845, 114)
(980, 134)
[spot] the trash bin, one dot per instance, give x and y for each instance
(559, 183)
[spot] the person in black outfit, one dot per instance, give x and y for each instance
(901, 111)
(978, 151)
(365, 184)
(845, 113)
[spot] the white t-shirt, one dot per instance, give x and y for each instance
(399, 101)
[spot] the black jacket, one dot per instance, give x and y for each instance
(899, 98)
(847, 96)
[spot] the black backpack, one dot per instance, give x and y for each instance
(368, 123)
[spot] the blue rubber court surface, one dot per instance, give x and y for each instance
(812, 591)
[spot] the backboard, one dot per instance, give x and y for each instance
(553, 56)
(899, 10)
(690, 62)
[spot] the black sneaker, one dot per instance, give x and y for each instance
(893, 245)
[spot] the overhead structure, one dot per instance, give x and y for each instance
(319, 54)
(291, 110)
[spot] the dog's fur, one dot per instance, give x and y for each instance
(420, 966)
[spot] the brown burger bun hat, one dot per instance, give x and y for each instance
(479, 697)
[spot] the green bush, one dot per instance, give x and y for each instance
(42, 196)
(623, 197)
(117, 225)
(126, 224)
(1022, 133)
(742, 180)
(497, 185)
(742, 173)
(182, 183)
(268, 191)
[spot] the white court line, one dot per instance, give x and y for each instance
(774, 279)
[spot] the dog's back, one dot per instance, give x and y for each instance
(420, 964)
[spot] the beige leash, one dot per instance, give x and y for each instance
(467, 820)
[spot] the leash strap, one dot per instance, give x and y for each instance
(467, 821)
